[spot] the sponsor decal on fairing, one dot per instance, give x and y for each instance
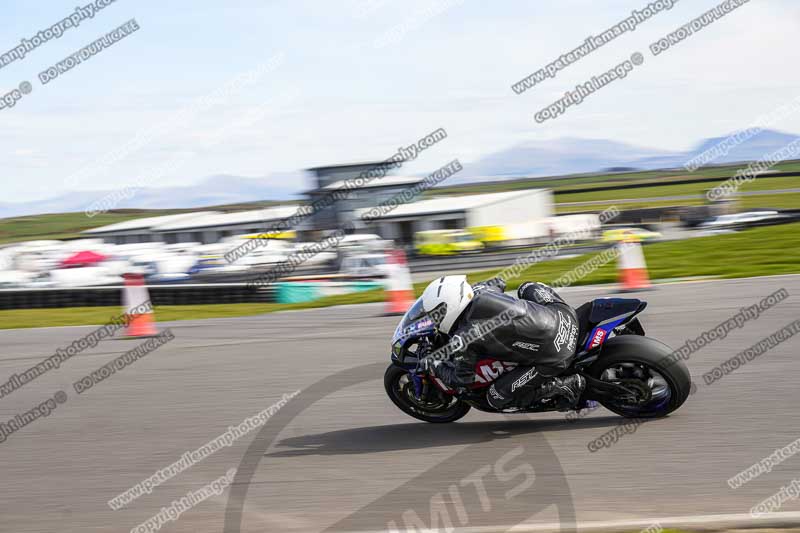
(598, 338)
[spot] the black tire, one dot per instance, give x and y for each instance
(398, 394)
(655, 355)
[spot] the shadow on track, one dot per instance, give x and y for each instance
(414, 436)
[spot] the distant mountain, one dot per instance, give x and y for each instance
(558, 157)
(214, 190)
(753, 149)
(576, 156)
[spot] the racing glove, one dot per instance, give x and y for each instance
(455, 374)
(451, 366)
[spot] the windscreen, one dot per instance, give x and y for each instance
(412, 315)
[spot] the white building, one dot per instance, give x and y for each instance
(139, 229)
(531, 208)
(474, 210)
(204, 227)
(213, 227)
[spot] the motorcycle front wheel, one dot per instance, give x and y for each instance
(437, 407)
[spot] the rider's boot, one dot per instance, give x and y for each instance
(521, 387)
(513, 390)
(569, 390)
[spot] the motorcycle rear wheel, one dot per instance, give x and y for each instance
(645, 363)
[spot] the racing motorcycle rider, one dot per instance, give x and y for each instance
(540, 337)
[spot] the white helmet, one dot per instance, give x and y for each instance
(452, 291)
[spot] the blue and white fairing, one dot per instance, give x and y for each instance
(608, 314)
(415, 323)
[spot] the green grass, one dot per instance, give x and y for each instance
(775, 201)
(755, 252)
(766, 201)
(657, 177)
(660, 186)
(596, 208)
(63, 225)
(769, 184)
(686, 189)
(69, 225)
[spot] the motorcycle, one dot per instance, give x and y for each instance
(626, 372)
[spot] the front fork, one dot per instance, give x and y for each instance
(423, 383)
(419, 384)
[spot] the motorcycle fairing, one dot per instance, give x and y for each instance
(486, 372)
(599, 318)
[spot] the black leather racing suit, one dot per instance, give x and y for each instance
(540, 335)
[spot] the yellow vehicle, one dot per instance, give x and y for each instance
(629, 234)
(446, 242)
(283, 235)
(490, 235)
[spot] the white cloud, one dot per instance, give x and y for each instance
(356, 102)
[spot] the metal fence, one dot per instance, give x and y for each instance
(178, 294)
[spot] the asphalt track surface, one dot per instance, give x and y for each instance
(347, 459)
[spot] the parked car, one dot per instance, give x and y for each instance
(446, 242)
(629, 234)
(365, 265)
(739, 219)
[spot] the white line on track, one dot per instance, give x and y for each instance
(729, 520)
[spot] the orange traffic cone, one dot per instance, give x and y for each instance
(138, 309)
(399, 290)
(632, 268)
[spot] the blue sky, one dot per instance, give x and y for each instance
(337, 97)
